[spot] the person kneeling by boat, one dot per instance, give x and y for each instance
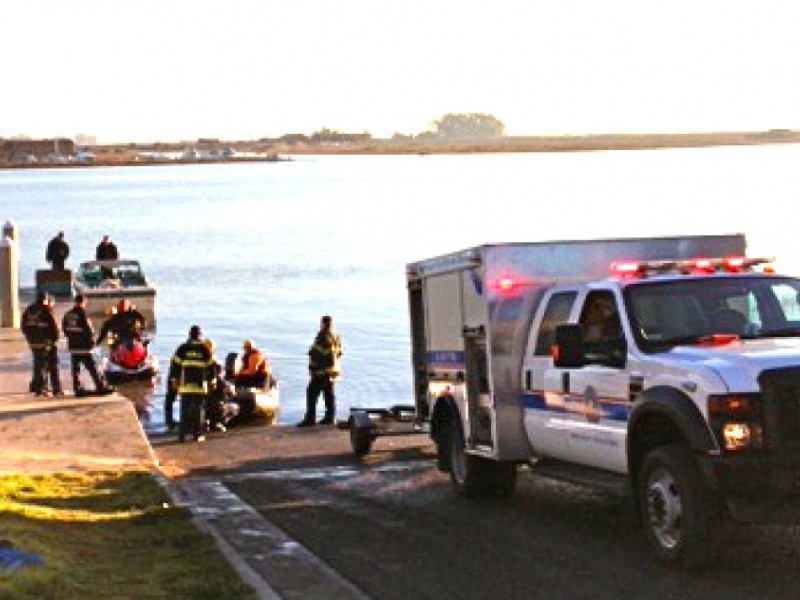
(255, 370)
(80, 339)
(190, 374)
(220, 405)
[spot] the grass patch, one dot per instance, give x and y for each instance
(108, 535)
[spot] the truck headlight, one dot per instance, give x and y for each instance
(735, 420)
(741, 435)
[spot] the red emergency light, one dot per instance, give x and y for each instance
(697, 266)
(702, 265)
(508, 285)
(626, 269)
(734, 264)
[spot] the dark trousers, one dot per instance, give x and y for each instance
(192, 415)
(169, 402)
(317, 384)
(87, 360)
(45, 364)
(215, 411)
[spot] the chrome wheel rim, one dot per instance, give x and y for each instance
(664, 508)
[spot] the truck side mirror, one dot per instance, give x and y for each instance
(568, 349)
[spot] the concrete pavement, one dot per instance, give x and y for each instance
(40, 434)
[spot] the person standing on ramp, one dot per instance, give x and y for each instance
(324, 370)
(191, 374)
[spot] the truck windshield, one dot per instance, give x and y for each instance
(665, 314)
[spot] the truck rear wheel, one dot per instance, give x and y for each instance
(678, 510)
(474, 475)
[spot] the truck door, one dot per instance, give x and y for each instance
(543, 397)
(597, 403)
(478, 390)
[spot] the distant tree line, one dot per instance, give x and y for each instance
(451, 127)
(468, 126)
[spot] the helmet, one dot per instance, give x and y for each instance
(247, 345)
(123, 305)
(210, 345)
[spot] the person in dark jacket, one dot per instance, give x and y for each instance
(324, 369)
(106, 250)
(219, 396)
(190, 374)
(57, 252)
(126, 323)
(80, 339)
(41, 332)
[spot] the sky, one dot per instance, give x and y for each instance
(172, 70)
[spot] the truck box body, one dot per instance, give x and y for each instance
(471, 312)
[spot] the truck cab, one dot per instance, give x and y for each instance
(705, 364)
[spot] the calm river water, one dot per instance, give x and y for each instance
(261, 250)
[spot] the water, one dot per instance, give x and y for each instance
(262, 250)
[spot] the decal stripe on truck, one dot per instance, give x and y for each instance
(611, 409)
(445, 360)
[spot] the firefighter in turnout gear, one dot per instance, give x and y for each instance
(41, 332)
(324, 370)
(80, 337)
(125, 324)
(191, 376)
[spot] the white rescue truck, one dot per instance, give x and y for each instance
(668, 368)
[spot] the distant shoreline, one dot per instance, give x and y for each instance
(278, 151)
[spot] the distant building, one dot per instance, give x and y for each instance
(85, 140)
(85, 157)
(30, 151)
(294, 138)
(327, 136)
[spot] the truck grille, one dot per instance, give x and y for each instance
(781, 393)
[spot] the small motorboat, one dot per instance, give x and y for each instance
(129, 360)
(105, 282)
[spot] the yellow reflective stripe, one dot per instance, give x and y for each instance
(196, 363)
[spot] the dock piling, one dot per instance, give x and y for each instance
(9, 277)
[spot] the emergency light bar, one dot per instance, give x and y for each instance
(702, 266)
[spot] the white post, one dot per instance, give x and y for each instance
(9, 283)
(10, 230)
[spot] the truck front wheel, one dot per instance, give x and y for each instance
(677, 508)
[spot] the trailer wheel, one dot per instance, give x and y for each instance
(360, 439)
(679, 512)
